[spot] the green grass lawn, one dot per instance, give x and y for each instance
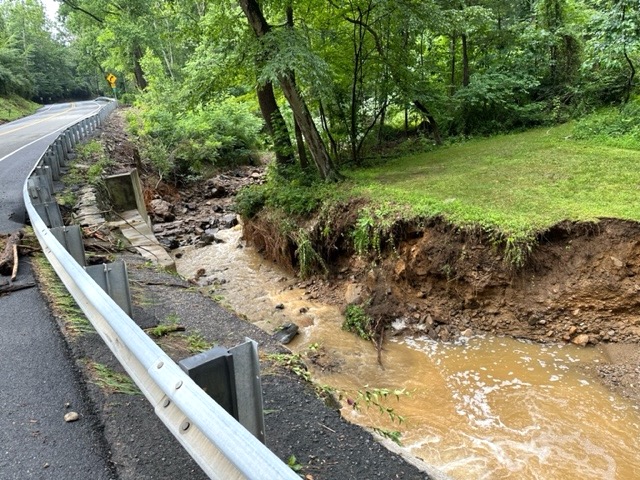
(519, 183)
(14, 107)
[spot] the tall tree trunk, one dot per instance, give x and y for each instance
(452, 66)
(317, 148)
(465, 61)
(327, 130)
(141, 82)
(275, 124)
(432, 121)
(302, 152)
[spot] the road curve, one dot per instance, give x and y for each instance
(38, 380)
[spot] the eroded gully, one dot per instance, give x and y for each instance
(489, 408)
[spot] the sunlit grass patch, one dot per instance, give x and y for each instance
(518, 183)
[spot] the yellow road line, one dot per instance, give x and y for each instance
(38, 121)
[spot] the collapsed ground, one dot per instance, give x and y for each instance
(579, 284)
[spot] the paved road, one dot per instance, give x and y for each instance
(37, 376)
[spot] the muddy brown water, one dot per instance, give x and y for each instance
(488, 408)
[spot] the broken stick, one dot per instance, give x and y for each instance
(14, 271)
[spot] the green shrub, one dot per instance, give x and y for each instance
(357, 321)
(250, 200)
(182, 138)
(309, 261)
(612, 126)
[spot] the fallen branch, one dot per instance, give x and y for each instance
(12, 287)
(7, 258)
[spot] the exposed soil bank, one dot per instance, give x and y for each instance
(580, 285)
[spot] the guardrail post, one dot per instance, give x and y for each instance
(72, 137)
(232, 378)
(40, 186)
(71, 239)
(66, 143)
(62, 156)
(49, 213)
(113, 279)
(50, 160)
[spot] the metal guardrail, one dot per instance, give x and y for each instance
(222, 447)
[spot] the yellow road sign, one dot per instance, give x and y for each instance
(111, 78)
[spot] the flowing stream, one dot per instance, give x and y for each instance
(489, 408)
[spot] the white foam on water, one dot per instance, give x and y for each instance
(547, 426)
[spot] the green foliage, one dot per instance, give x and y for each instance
(495, 102)
(93, 153)
(616, 127)
(377, 398)
(372, 228)
(181, 141)
(292, 190)
(293, 464)
(292, 362)
(309, 262)
(393, 435)
(13, 107)
(514, 185)
(163, 329)
(250, 200)
(357, 321)
(75, 322)
(197, 343)
(34, 62)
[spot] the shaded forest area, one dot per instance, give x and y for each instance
(322, 82)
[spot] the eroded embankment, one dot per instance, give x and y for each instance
(579, 284)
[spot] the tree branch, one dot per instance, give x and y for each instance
(74, 6)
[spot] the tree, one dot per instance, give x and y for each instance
(615, 29)
(321, 158)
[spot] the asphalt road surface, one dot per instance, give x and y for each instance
(38, 380)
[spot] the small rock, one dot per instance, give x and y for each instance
(71, 417)
(467, 333)
(581, 340)
(162, 210)
(429, 320)
(280, 306)
(286, 333)
(573, 330)
(617, 262)
(353, 294)
(230, 220)
(303, 310)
